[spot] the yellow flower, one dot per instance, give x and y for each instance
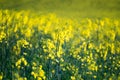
(102, 23)
(28, 33)
(72, 77)
(40, 67)
(112, 48)
(17, 50)
(16, 28)
(41, 73)
(1, 77)
(24, 61)
(22, 43)
(51, 56)
(25, 19)
(34, 64)
(2, 35)
(34, 74)
(25, 78)
(53, 71)
(105, 55)
(110, 78)
(39, 78)
(18, 62)
(94, 76)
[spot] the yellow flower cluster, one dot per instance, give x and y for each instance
(2, 36)
(38, 73)
(21, 60)
(1, 75)
(22, 43)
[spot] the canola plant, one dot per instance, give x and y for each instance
(47, 47)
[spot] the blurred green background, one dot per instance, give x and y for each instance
(67, 8)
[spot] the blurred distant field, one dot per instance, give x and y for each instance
(67, 8)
